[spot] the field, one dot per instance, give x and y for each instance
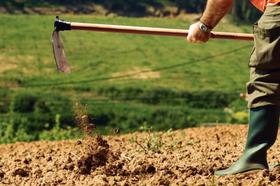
(185, 157)
(139, 90)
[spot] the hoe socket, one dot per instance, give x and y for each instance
(61, 25)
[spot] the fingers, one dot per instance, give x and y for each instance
(196, 40)
(196, 35)
(192, 34)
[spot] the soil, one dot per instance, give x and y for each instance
(184, 157)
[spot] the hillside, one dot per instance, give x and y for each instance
(186, 157)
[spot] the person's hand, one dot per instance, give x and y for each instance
(196, 35)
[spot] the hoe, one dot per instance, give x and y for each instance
(61, 25)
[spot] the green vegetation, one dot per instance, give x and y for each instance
(242, 10)
(153, 142)
(124, 80)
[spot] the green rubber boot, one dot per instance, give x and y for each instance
(262, 133)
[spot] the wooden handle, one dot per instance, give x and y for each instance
(155, 31)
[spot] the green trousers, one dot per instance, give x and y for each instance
(264, 85)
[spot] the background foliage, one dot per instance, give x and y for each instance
(242, 10)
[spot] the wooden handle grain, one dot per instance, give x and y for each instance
(155, 31)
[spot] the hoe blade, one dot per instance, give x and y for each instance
(59, 53)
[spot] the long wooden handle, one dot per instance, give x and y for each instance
(154, 31)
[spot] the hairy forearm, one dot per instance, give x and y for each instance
(215, 11)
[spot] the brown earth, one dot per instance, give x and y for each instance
(185, 157)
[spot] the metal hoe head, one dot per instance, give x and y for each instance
(59, 52)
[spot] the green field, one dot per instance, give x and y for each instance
(136, 79)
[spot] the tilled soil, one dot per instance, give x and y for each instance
(185, 157)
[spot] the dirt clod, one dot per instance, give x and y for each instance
(23, 172)
(85, 164)
(26, 161)
(272, 177)
(151, 169)
(2, 174)
(96, 152)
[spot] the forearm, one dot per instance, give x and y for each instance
(215, 11)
